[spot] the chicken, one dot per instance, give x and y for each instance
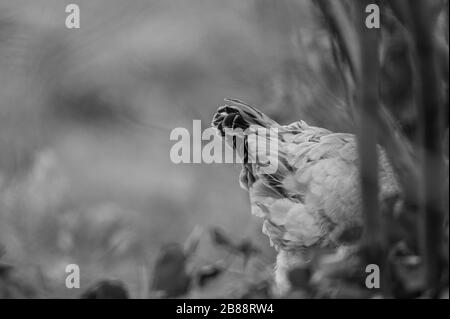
(304, 183)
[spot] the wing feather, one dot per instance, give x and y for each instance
(318, 198)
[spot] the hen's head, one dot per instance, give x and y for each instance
(250, 132)
(239, 115)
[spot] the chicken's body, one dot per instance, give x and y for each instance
(313, 197)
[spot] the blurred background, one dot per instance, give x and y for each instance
(86, 114)
(85, 118)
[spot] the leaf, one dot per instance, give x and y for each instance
(259, 290)
(208, 273)
(247, 249)
(169, 275)
(5, 269)
(221, 239)
(106, 289)
(16, 283)
(244, 248)
(192, 242)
